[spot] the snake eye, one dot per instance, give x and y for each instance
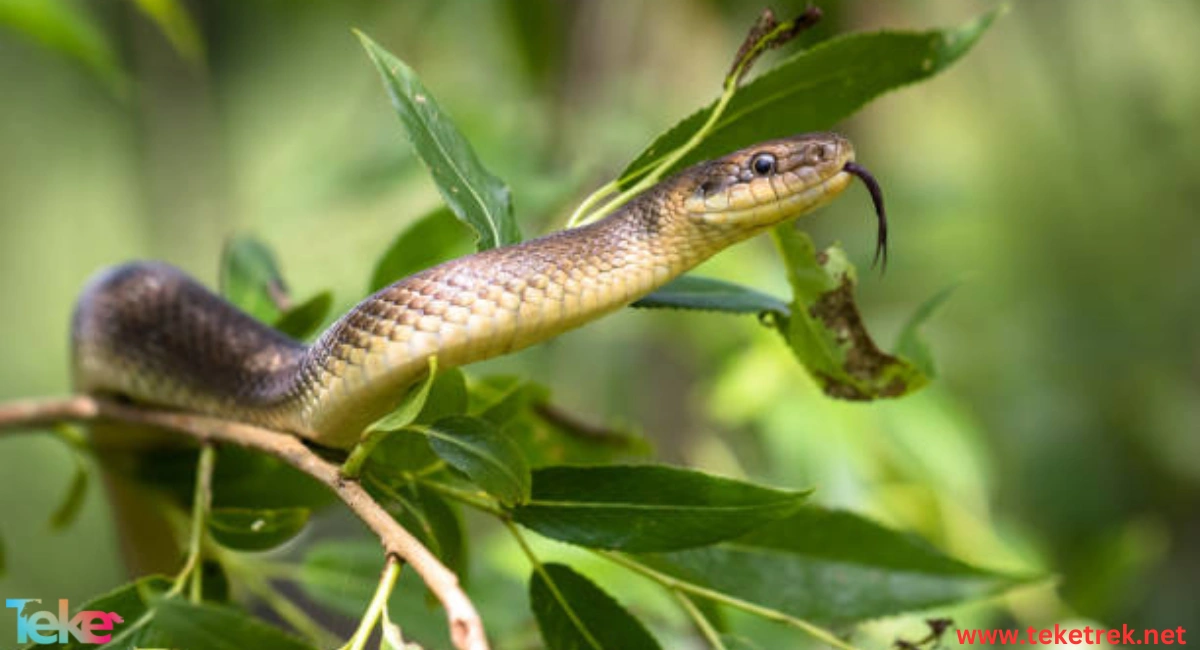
(763, 164)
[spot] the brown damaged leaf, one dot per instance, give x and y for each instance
(768, 34)
(826, 330)
(864, 360)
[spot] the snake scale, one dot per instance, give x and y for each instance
(147, 332)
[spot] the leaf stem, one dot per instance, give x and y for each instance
(201, 502)
(352, 468)
(656, 170)
(592, 199)
(670, 582)
(664, 163)
(462, 496)
(541, 571)
(254, 576)
(702, 623)
(387, 582)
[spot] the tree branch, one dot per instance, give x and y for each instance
(466, 628)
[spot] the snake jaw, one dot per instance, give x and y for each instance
(770, 183)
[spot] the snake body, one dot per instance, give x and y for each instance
(147, 332)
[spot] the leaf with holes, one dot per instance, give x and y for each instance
(479, 199)
(574, 614)
(826, 331)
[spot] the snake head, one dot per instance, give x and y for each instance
(769, 183)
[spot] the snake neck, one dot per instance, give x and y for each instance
(489, 304)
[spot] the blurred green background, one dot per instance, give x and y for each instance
(1051, 175)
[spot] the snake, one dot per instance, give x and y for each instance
(147, 332)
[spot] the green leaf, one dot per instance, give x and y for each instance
(250, 278)
(447, 396)
(910, 344)
(196, 626)
(826, 331)
(480, 200)
(711, 294)
(131, 601)
(428, 241)
(343, 576)
(68, 511)
(832, 567)
(410, 407)
(399, 454)
(815, 89)
(3, 559)
(304, 320)
(68, 29)
(574, 614)
(739, 643)
(256, 529)
(477, 448)
(539, 31)
(647, 507)
(177, 25)
(542, 432)
(503, 398)
(436, 523)
(243, 478)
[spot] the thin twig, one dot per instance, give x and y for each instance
(466, 628)
(540, 569)
(387, 583)
(673, 583)
(201, 503)
(702, 623)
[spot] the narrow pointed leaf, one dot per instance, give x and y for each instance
(478, 198)
(815, 89)
(256, 529)
(574, 614)
(648, 507)
(910, 344)
(68, 510)
(176, 24)
(70, 30)
(478, 448)
(710, 294)
(131, 602)
(195, 626)
(832, 567)
(434, 522)
(428, 241)
(410, 407)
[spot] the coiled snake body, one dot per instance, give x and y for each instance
(148, 332)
